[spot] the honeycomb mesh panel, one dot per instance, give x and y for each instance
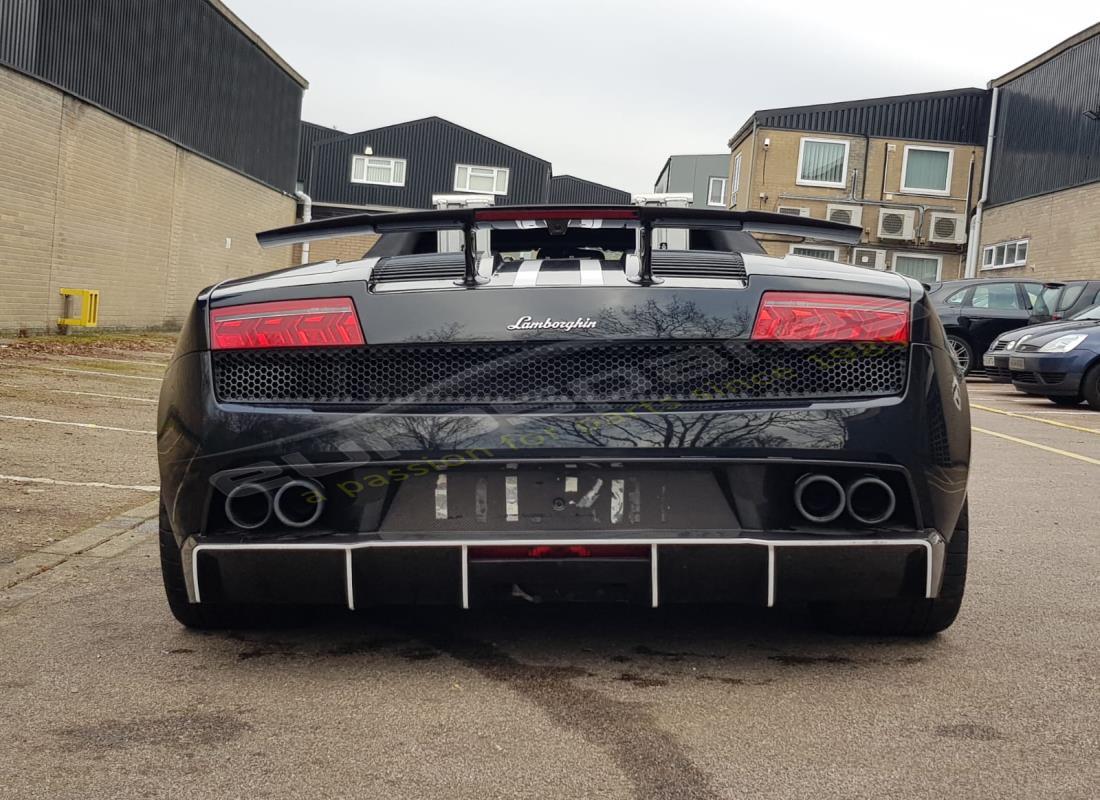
(560, 372)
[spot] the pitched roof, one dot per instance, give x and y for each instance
(956, 115)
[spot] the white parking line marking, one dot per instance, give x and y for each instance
(86, 394)
(75, 424)
(161, 364)
(92, 484)
(1038, 446)
(108, 374)
(1014, 415)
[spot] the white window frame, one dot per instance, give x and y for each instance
(950, 169)
(828, 184)
(393, 168)
(991, 250)
(497, 171)
(721, 195)
(808, 246)
(736, 180)
(910, 254)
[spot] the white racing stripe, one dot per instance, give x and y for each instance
(591, 273)
(92, 484)
(528, 274)
(91, 425)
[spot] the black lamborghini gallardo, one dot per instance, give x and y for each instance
(555, 404)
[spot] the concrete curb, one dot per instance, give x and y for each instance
(106, 539)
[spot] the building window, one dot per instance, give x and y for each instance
(716, 192)
(1005, 254)
(823, 162)
(483, 180)
(925, 269)
(827, 253)
(736, 180)
(926, 170)
(378, 171)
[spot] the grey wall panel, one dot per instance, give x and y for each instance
(18, 33)
(1044, 141)
(431, 148)
(176, 67)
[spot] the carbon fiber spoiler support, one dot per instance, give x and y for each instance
(645, 218)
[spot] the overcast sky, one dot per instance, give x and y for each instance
(608, 89)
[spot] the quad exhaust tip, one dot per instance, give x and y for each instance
(870, 500)
(248, 506)
(299, 503)
(819, 498)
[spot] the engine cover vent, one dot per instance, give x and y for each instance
(423, 267)
(698, 264)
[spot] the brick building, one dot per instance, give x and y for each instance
(1039, 212)
(906, 168)
(140, 161)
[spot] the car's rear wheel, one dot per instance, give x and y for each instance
(908, 617)
(964, 353)
(1064, 400)
(192, 615)
(1090, 387)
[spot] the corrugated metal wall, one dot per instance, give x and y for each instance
(567, 189)
(176, 67)
(1044, 141)
(310, 135)
(957, 116)
(18, 33)
(431, 147)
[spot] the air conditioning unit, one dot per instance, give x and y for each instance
(867, 257)
(847, 215)
(793, 211)
(947, 228)
(896, 223)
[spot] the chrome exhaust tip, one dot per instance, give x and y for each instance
(248, 506)
(299, 503)
(871, 500)
(819, 498)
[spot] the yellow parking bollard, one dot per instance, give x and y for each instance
(89, 308)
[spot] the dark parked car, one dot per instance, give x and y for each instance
(605, 421)
(1060, 301)
(975, 312)
(1062, 364)
(995, 360)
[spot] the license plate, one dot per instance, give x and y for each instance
(1016, 363)
(987, 361)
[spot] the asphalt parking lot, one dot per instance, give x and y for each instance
(102, 694)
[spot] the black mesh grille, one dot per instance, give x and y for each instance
(561, 372)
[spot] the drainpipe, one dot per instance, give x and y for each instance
(974, 240)
(307, 215)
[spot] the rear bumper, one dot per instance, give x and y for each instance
(766, 569)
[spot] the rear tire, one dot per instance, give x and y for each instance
(1064, 400)
(963, 352)
(908, 617)
(191, 615)
(1090, 387)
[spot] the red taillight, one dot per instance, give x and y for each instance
(509, 552)
(324, 322)
(816, 317)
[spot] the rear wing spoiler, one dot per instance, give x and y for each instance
(643, 218)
